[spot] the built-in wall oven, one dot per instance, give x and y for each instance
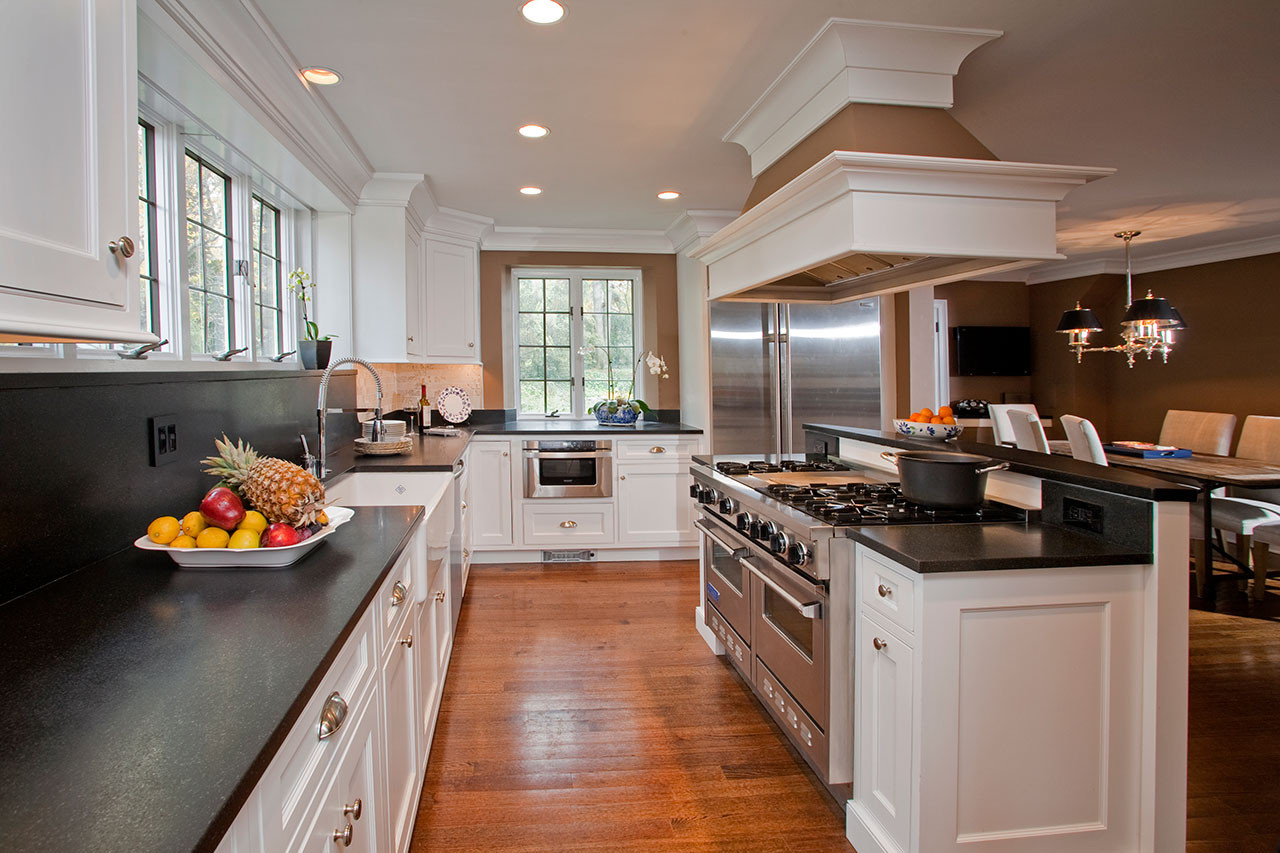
(568, 469)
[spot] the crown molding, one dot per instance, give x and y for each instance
(532, 239)
(236, 45)
(1042, 273)
(693, 226)
(853, 61)
(459, 225)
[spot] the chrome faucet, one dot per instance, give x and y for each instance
(321, 410)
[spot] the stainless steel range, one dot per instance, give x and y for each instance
(778, 587)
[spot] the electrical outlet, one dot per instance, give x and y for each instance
(1076, 513)
(162, 441)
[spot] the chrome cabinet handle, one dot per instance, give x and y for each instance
(342, 837)
(332, 714)
(439, 598)
(884, 591)
(878, 643)
(399, 593)
(407, 642)
(354, 810)
(123, 247)
(657, 450)
(568, 524)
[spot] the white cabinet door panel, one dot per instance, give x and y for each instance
(402, 755)
(451, 288)
(883, 758)
(491, 493)
(654, 506)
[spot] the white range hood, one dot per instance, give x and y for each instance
(859, 224)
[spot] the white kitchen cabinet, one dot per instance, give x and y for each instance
(491, 492)
(387, 278)
(568, 523)
(245, 834)
(351, 807)
(883, 766)
(450, 301)
(463, 484)
(414, 295)
(654, 506)
(402, 646)
(70, 148)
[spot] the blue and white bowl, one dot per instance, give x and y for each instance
(919, 430)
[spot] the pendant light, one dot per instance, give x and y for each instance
(1149, 323)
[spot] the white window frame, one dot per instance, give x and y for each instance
(511, 346)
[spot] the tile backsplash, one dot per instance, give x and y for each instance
(402, 384)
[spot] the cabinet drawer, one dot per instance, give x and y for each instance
(561, 523)
(887, 590)
(656, 449)
(294, 777)
(395, 600)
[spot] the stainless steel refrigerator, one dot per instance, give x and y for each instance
(776, 367)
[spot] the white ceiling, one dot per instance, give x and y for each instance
(1181, 96)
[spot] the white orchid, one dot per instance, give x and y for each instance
(657, 364)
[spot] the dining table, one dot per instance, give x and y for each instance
(1204, 471)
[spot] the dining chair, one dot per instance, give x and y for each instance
(1000, 425)
(1199, 432)
(1028, 432)
(1083, 436)
(1243, 512)
(1265, 536)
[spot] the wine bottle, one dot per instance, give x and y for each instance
(424, 411)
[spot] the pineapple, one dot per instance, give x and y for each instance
(280, 490)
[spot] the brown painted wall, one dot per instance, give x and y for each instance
(986, 303)
(880, 128)
(1224, 362)
(661, 332)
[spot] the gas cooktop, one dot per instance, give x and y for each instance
(733, 469)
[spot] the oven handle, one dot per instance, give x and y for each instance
(555, 454)
(737, 552)
(812, 610)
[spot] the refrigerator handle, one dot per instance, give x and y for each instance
(785, 429)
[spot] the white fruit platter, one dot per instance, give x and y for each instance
(250, 558)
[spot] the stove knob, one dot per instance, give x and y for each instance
(745, 520)
(707, 496)
(779, 543)
(694, 491)
(797, 554)
(728, 505)
(763, 530)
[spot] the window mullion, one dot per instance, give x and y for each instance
(577, 391)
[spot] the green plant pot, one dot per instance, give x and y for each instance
(315, 354)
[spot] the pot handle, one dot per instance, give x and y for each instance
(999, 466)
(890, 455)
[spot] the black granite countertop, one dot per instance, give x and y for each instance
(1063, 469)
(928, 548)
(559, 425)
(143, 702)
(428, 453)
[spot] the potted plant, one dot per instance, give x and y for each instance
(313, 349)
(623, 409)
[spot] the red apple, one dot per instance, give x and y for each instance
(279, 535)
(222, 507)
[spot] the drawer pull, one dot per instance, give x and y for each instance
(568, 524)
(399, 593)
(332, 714)
(342, 837)
(407, 642)
(657, 449)
(440, 597)
(354, 810)
(879, 644)
(464, 506)
(466, 552)
(884, 591)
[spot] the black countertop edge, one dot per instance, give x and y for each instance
(1063, 469)
(933, 548)
(28, 381)
(565, 425)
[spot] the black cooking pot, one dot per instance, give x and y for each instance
(941, 479)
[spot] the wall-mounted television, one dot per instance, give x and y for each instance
(992, 350)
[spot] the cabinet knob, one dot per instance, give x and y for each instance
(332, 714)
(411, 339)
(622, 476)
(471, 343)
(884, 591)
(464, 506)
(440, 597)
(656, 449)
(879, 644)
(123, 247)
(407, 642)
(568, 524)
(399, 593)
(342, 837)
(504, 453)
(354, 810)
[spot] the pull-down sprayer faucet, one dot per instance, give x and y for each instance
(317, 464)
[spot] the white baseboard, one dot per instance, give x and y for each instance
(602, 555)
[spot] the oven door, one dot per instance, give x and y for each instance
(789, 632)
(728, 586)
(566, 470)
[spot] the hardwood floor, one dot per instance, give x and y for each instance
(582, 712)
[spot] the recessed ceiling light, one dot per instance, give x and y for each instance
(668, 194)
(321, 76)
(542, 11)
(531, 190)
(534, 131)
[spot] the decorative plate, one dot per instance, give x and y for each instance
(249, 558)
(453, 404)
(919, 430)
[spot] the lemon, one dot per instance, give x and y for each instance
(163, 530)
(212, 537)
(244, 538)
(253, 520)
(183, 542)
(192, 523)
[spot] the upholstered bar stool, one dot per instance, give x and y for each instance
(1028, 432)
(1083, 437)
(1001, 427)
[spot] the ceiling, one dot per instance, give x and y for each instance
(1180, 96)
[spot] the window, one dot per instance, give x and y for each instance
(575, 338)
(148, 264)
(208, 255)
(265, 277)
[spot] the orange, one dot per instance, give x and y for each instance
(935, 420)
(212, 537)
(183, 542)
(926, 413)
(914, 418)
(948, 420)
(163, 530)
(192, 523)
(945, 411)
